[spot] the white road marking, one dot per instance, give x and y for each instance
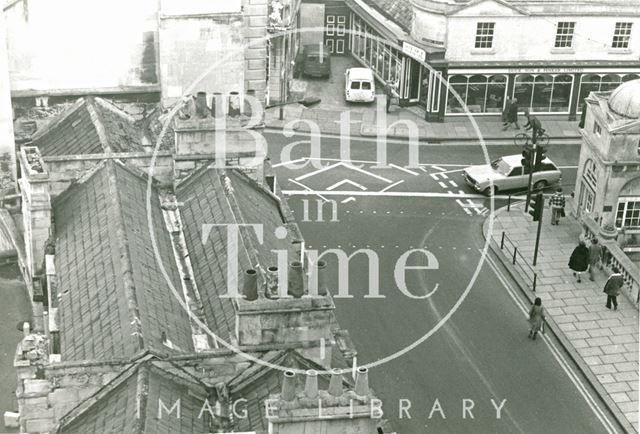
(346, 181)
(289, 162)
(347, 166)
(315, 172)
(467, 211)
(441, 165)
(557, 354)
(338, 159)
(423, 169)
(438, 168)
(349, 199)
(443, 185)
(474, 204)
(395, 166)
(478, 211)
(444, 175)
(390, 193)
(453, 183)
(392, 185)
(308, 189)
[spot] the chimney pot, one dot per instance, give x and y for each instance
(362, 382)
(251, 94)
(289, 386)
(335, 384)
(271, 287)
(320, 278)
(201, 104)
(217, 104)
(311, 384)
(296, 282)
(250, 285)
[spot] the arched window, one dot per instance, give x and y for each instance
(457, 83)
(630, 77)
(589, 173)
(523, 89)
(561, 93)
(476, 93)
(609, 82)
(542, 89)
(496, 89)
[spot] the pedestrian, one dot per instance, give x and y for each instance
(557, 203)
(533, 124)
(390, 91)
(512, 115)
(505, 112)
(612, 288)
(579, 260)
(595, 253)
(536, 318)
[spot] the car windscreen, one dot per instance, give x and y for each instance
(355, 85)
(317, 58)
(501, 166)
(366, 85)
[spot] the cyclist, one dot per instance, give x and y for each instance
(533, 124)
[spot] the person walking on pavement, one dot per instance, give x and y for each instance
(505, 113)
(390, 91)
(533, 124)
(579, 260)
(557, 203)
(612, 288)
(512, 114)
(536, 318)
(595, 253)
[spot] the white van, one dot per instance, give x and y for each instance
(360, 85)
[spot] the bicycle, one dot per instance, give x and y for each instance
(523, 139)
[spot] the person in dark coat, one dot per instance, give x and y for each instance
(612, 288)
(505, 113)
(533, 124)
(512, 115)
(536, 318)
(579, 260)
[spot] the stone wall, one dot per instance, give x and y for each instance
(255, 52)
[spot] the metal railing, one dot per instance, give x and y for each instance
(511, 251)
(614, 256)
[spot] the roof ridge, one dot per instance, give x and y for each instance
(96, 120)
(112, 107)
(126, 264)
(59, 119)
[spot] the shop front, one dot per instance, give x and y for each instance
(548, 90)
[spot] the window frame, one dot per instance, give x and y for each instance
(621, 35)
(597, 129)
(623, 208)
(485, 30)
(564, 34)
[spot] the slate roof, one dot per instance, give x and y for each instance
(113, 409)
(89, 126)
(206, 200)
(400, 11)
(114, 300)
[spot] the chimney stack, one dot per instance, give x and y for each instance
(311, 384)
(250, 285)
(335, 385)
(295, 278)
(201, 104)
(289, 386)
(362, 382)
(234, 104)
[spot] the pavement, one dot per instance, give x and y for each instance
(603, 342)
(368, 121)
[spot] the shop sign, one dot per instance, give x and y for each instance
(545, 70)
(413, 51)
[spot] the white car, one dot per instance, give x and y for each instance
(360, 86)
(507, 174)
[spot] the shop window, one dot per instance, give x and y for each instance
(457, 83)
(628, 213)
(523, 90)
(564, 34)
(561, 94)
(588, 83)
(484, 35)
(542, 90)
(609, 82)
(496, 89)
(630, 77)
(476, 93)
(621, 35)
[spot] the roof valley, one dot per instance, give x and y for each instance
(124, 256)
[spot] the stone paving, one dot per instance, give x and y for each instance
(605, 340)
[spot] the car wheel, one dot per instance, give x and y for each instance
(539, 185)
(490, 191)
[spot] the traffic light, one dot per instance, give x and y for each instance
(540, 155)
(535, 206)
(527, 154)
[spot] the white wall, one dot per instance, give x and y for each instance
(75, 44)
(526, 38)
(194, 7)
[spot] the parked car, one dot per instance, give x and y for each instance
(507, 174)
(315, 61)
(360, 86)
